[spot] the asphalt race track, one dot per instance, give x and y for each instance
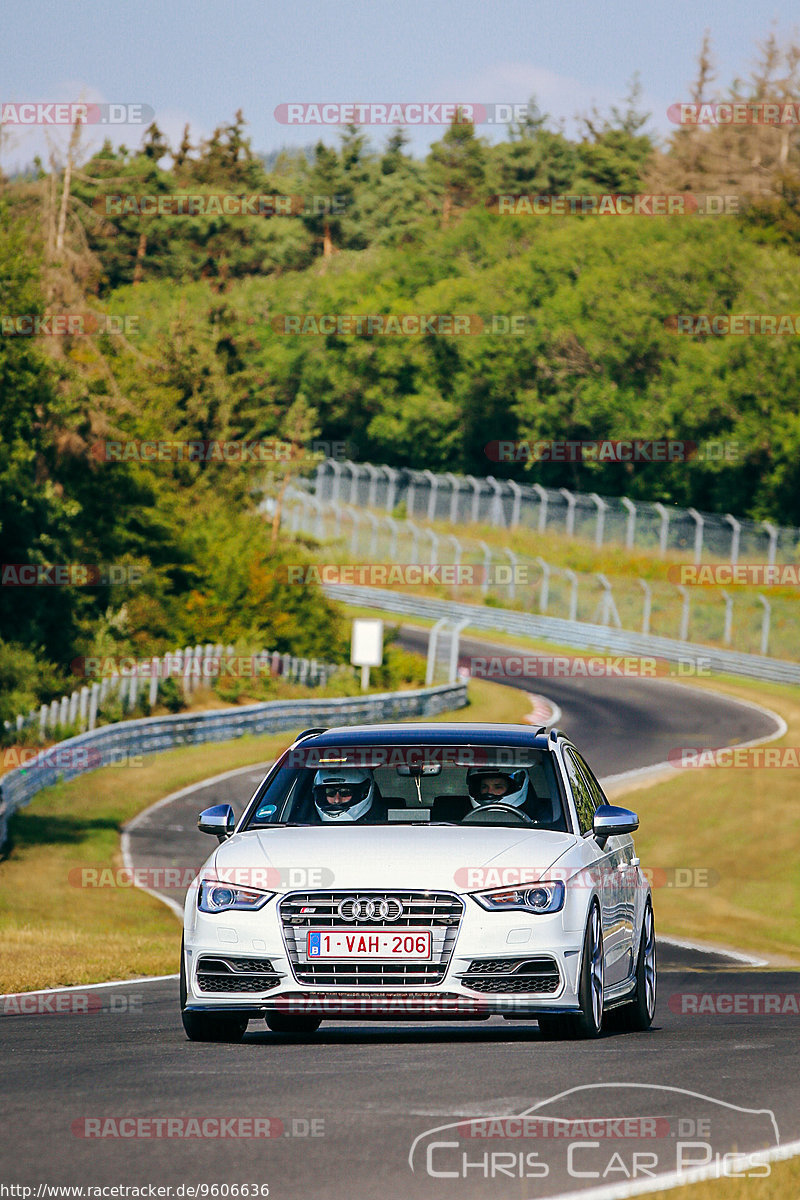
(413, 1109)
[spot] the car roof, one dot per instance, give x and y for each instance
(443, 733)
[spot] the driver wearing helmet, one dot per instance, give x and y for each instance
(495, 785)
(347, 794)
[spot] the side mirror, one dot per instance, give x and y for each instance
(609, 821)
(218, 820)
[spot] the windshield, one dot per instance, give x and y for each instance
(412, 785)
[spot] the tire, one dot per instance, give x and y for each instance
(284, 1023)
(206, 1027)
(637, 1015)
(588, 1023)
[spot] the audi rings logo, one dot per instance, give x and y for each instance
(364, 908)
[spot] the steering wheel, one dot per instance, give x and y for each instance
(476, 817)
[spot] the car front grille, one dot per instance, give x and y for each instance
(217, 974)
(440, 912)
(529, 975)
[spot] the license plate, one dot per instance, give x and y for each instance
(369, 943)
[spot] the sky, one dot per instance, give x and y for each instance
(198, 61)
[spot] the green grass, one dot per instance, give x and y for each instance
(54, 933)
(782, 1183)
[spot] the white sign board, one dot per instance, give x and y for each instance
(366, 647)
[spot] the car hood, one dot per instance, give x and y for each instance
(388, 857)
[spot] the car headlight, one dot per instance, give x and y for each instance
(215, 896)
(545, 897)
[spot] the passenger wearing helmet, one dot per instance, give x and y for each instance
(347, 794)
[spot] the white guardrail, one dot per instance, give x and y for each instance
(127, 739)
(580, 634)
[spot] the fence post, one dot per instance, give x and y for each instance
(455, 484)
(663, 532)
(83, 708)
(772, 530)
(630, 523)
(452, 674)
(155, 667)
(496, 516)
(736, 529)
(516, 492)
(726, 636)
(647, 606)
(487, 566)
(433, 636)
(512, 587)
(544, 593)
(684, 633)
(94, 699)
(699, 522)
(765, 622)
(433, 481)
(601, 518)
(573, 593)
(391, 491)
(372, 494)
(414, 540)
(543, 498)
(43, 720)
(570, 499)
(476, 497)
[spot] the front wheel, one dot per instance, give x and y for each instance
(206, 1027)
(638, 1013)
(587, 1023)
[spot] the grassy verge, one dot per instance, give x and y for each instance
(53, 933)
(742, 825)
(782, 1183)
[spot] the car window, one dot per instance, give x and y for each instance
(584, 801)
(437, 798)
(595, 790)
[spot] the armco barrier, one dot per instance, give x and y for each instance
(580, 634)
(125, 739)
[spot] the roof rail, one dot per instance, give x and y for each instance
(542, 729)
(555, 734)
(308, 732)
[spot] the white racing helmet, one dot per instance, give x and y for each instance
(516, 786)
(354, 782)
